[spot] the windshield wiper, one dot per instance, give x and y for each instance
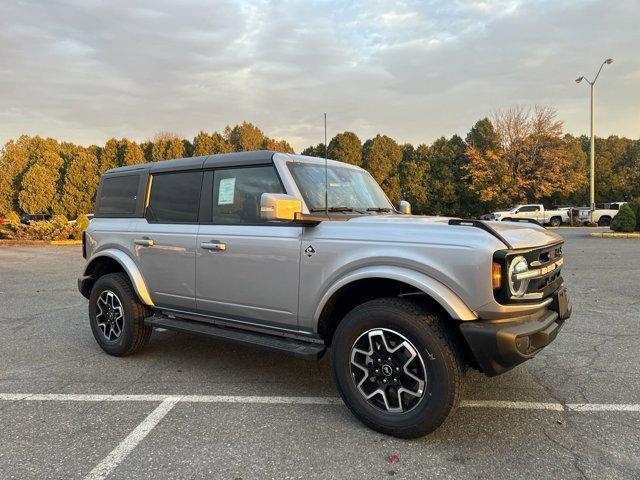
(336, 209)
(380, 209)
(332, 209)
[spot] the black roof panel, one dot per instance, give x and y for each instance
(208, 161)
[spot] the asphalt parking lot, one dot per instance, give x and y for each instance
(189, 407)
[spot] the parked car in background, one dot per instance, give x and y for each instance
(34, 217)
(603, 214)
(534, 211)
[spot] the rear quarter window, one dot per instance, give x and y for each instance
(118, 196)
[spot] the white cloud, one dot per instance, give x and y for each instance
(416, 70)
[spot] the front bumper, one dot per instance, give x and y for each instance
(500, 345)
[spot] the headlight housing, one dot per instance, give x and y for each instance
(517, 288)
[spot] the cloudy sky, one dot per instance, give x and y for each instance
(89, 70)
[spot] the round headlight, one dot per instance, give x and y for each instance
(518, 265)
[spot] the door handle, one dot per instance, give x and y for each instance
(215, 246)
(144, 242)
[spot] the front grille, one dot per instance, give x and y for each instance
(540, 287)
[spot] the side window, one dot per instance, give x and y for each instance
(237, 192)
(175, 197)
(118, 196)
(530, 208)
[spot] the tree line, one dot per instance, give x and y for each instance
(520, 155)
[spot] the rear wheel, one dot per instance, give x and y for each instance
(396, 367)
(604, 222)
(117, 316)
(555, 221)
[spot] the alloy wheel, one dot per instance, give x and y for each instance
(110, 315)
(388, 370)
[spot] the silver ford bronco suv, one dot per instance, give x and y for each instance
(298, 254)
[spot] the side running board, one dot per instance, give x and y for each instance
(483, 226)
(297, 348)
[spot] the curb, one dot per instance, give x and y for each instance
(616, 235)
(65, 242)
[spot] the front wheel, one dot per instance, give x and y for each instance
(396, 367)
(117, 316)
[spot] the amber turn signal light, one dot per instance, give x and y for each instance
(496, 275)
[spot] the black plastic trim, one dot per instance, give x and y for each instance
(480, 224)
(300, 349)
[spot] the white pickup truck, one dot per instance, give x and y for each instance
(533, 211)
(603, 214)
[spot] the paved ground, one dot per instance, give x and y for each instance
(46, 347)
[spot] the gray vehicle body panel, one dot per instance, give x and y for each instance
(265, 278)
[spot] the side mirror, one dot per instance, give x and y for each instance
(405, 207)
(278, 206)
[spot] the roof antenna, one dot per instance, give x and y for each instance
(326, 170)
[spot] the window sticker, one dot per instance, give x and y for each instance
(226, 191)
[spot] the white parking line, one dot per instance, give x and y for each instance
(261, 399)
(138, 434)
(604, 407)
(511, 405)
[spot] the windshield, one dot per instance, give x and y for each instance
(348, 188)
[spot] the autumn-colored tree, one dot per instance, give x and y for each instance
(80, 184)
(166, 146)
(277, 145)
(488, 176)
(381, 156)
(346, 147)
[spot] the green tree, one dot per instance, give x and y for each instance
(346, 147)
(166, 146)
(205, 144)
(130, 153)
(483, 137)
(38, 187)
(625, 220)
(244, 137)
(80, 185)
(109, 156)
(414, 176)
(317, 151)
(381, 156)
(14, 161)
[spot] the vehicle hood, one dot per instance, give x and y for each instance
(518, 235)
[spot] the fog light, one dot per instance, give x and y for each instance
(523, 344)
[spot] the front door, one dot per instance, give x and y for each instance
(165, 241)
(247, 270)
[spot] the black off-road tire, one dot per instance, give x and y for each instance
(135, 334)
(439, 352)
(604, 221)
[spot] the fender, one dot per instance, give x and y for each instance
(442, 294)
(129, 266)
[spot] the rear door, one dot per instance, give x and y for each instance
(247, 270)
(165, 240)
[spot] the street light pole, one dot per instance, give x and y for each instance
(592, 143)
(592, 157)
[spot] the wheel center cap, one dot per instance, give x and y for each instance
(387, 370)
